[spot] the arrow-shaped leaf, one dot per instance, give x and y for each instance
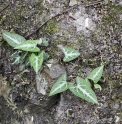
(36, 61)
(13, 39)
(59, 86)
(16, 57)
(96, 74)
(70, 54)
(29, 45)
(19, 57)
(83, 90)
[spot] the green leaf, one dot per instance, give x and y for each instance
(16, 57)
(59, 86)
(29, 45)
(96, 86)
(24, 56)
(13, 39)
(83, 90)
(96, 74)
(70, 54)
(36, 61)
(46, 56)
(19, 57)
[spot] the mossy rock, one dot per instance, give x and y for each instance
(50, 27)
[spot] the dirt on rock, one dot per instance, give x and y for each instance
(92, 27)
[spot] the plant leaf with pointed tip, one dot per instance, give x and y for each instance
(29, 45)
(20, 57)
(83, 90)
(16, 57)
(70, 54)
(45, 56)
(96, 86)
(96, 74)
(13, 39)
(36, 61)
(59, 86)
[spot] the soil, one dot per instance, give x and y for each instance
(92, 27)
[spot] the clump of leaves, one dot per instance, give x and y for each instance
(83, 88)
(95, 76)
(27, 50)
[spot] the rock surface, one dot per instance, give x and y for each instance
(94, 30)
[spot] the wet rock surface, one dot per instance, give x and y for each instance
(93, 29)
